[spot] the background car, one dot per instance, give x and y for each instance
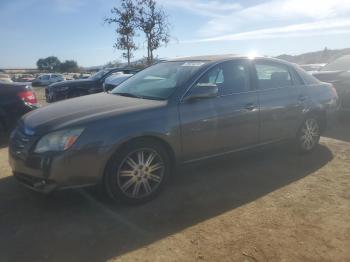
(47, 79)
(173, 112)
(27, 78)
(338, 74)
(5, 78)
(114, 80)
(15, 100)
(312, 68)
(81, 87)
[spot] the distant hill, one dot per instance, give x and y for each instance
(324, 56)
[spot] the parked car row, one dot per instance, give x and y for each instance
(47, 79)
(92, 85)
(5, 78)
(174, 112)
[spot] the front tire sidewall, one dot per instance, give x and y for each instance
(111, 180)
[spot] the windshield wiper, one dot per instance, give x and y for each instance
(126, 94)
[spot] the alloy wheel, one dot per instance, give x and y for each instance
(140, 173)
(310, 133)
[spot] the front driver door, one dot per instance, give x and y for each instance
(224, 123)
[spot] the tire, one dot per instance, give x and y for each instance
(137, 173)
(309, 134)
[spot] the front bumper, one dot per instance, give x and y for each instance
(38, 184)
(50, 171)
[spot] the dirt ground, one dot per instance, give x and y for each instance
(264, 205)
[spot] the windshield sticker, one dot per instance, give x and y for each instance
(193, 64)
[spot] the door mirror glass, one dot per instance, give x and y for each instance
(203, 91)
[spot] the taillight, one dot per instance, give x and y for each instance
(334, 91)
(28, 96)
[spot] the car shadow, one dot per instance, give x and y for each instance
(4, 139)
(79, 225)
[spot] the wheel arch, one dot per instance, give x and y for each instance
(321, 116)
(148, 138)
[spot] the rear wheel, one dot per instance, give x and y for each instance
(309, 134)
(137, 173)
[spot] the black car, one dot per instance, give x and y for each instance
(338, 74)
(15, 101)
(174, 112)
(81, 87)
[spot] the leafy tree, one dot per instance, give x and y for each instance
(124, 18)
(50, 63)
(69, 66)
(153, 22)
(115, 63)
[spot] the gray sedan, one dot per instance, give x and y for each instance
(174, 112)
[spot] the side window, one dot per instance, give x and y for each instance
(45, 77)
(272, 75)
(230, 77)
(308, 79)
(213, 76)
(297, 80)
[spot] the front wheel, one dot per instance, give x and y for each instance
(309, 135)
(137, 173)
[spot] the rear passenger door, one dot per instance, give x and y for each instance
(280, 107)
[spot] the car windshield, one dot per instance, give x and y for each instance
(99, 74)
(341, 64)
(158, 81)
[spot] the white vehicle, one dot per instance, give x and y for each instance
(312, 68)
(114, 80)
(5, 78)
(47, 79)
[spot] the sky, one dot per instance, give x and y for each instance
(74, 29)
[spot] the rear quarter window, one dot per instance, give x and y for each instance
(272, 75)
(307, 78)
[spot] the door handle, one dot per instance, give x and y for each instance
(249, 107)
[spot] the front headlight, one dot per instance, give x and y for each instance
(58, 141)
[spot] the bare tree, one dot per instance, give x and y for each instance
(153, 22)
(125, 17)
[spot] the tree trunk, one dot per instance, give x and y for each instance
(128, 50)
(129, 57)
(148, 50)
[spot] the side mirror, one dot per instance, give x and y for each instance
(203, 91)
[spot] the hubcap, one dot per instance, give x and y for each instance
(140, 173)
(309, 134)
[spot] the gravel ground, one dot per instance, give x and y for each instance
(264, 205)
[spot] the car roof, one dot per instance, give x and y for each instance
(120, 68)
(221, 58)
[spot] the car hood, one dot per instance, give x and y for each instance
(71, 83)
(84, 110)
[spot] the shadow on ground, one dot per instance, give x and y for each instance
(82, 225)
(4, 139)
